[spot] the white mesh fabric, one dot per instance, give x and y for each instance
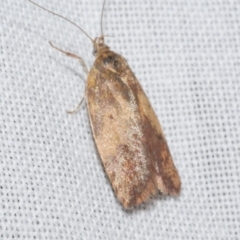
(186, 56)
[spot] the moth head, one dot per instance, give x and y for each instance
(99, 46)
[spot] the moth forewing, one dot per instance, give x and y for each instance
(127, 132)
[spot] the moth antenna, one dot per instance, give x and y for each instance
(66, 19)
(102, 18)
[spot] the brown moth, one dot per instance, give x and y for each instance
(127, 133)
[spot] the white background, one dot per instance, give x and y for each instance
(186, 54)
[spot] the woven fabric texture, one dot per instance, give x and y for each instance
(186, 55)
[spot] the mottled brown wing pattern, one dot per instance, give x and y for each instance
(127, 133)
(165, 173)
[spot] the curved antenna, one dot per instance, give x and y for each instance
(62, 18)
(102, 17)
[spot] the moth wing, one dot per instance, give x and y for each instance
(129, 137)
(165, 173)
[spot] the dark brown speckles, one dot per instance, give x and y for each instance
(116, 64)
(108, 60)
(111, 117)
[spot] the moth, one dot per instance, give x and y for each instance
(126, 130)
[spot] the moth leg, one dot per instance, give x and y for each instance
(83, 64)
(76, 108)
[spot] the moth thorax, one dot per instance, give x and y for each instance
(99, 46)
